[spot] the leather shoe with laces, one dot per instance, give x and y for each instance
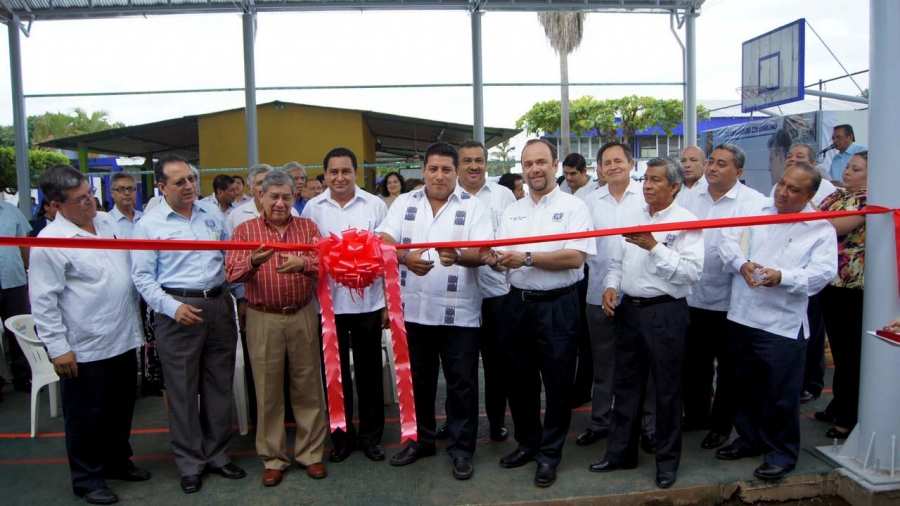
(732, 452)
(665, 479)
(517, 458)
(443, 432)
(463, 468)
(409, 455)
(500, 434)
(605, 466)
(590, 436)
(133, 474)
(272, 477)
(340, 453)
(648, 444)
(229, 470)
(100, 496)
(545, 475)
(191, 484)
(374, 453)
(770, 472)
(713, 440)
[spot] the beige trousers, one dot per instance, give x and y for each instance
(271, 338)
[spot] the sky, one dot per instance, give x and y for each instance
(365, 48)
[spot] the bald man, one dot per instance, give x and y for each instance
(694, 160)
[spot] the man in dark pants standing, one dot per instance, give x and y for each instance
(91, 335)
(540, 339)
(654, 272)
(14, 291)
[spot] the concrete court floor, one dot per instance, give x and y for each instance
(35, 471)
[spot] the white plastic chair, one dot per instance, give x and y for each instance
(42, 372)
(239, 385)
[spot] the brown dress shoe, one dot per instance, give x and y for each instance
(316, 471)
(272, 477)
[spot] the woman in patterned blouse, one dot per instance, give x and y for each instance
(842, 300)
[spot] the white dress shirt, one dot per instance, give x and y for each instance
(670, 268)
(713, 291)
(125, 226)
(685, 191)
(496, 198)
(153, 202)
(556, 213)
(607, 213)
(582, 192)
(83, 300)
(215, 202)
(804, 252)
(825, 189)
(245, 212)
(363, 212)
(430, 299)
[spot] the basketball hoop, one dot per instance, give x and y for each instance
(752, 92)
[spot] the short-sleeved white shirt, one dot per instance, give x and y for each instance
(496, 198)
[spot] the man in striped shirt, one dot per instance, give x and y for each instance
(281, 323)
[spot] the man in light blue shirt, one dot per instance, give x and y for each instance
(196, 333)
(13, 290)
(123, 189)
(844, 141)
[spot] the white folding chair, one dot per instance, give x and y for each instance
(42, 372)
(388, 372)
(239, 385)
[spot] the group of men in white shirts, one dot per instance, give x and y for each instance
(658, 304)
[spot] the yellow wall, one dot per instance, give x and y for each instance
(288, 132)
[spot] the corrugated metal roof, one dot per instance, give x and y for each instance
(80, 9)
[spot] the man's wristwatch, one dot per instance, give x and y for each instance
(528, 260)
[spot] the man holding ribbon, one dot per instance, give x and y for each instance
(442, 303)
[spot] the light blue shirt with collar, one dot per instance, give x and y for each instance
(125, 226)
(12, 224)
(188, 269)
(840, 160)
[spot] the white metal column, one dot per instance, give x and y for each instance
(19, 122)
(690, 78)
(249, 24)
(477, 76)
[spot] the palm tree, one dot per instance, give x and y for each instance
(564, 31)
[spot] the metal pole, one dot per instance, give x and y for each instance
(838, 96)
(690, 78)
(477, 77)
(249, 22)
(879, 403)
(20, 126)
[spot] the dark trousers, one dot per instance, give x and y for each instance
(361, 333)
(539, 342)
(584, 367)
(98, 405)
(814, 373)
(492, 361)
(843, 311)
(650, 342)
(768, 370)
(13, 302)
(455, 349)
(199, 360)
(705, 354)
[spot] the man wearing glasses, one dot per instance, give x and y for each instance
(123, 190)
(844, 141)
(196, 334)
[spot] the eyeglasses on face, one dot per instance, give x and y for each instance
(181, 182)
(85, 200)
(125, 189)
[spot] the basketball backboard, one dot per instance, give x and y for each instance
(773, 67)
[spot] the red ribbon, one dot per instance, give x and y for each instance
(401, 349)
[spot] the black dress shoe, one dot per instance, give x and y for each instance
(133, 474)
(500, 434)
(713, 440)
(340, 453)
(807, 397)
(732, 452)
(771, 472)
(191, 484)
(665, 479)
(443, 432)
(374, 453)
(602, 466)
(833, 433)
(229, 470)
(409, 455)
(824, 416)
(100, 496)
(517, 458)
(590, 436)
(545, 475)
(648, 444)
(463, 468)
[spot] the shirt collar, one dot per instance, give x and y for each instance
(731, 194)
(326, 196)
(662, 214)
(633, 187)
(269, 225)
(167, 209)
(548, 198)
(70, 229)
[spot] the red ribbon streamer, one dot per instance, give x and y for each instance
(401, 349)
(334, 388)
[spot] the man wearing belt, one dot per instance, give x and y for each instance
(282, 322)
(540, 338)
(359, 318)
(769, 328)
(441, 303)
(654, 272)
(196, 334)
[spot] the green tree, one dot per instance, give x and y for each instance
(502, 151)
(564, 31)
(38, 162)
(58, 125)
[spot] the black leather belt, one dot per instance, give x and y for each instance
(647, 301)
(195, 294)
(284, 311)
(539, 295)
